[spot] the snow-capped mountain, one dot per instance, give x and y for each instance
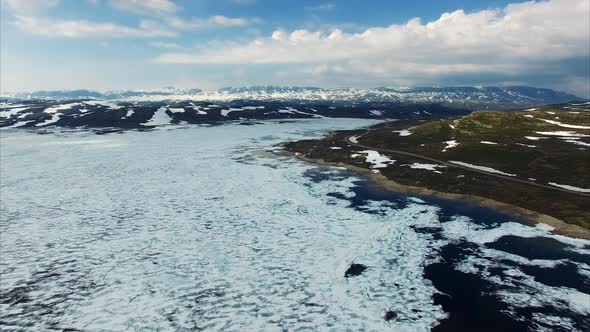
(146, 109)
(458, 97)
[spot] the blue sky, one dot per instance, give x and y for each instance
(135, 44)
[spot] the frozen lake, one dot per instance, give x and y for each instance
(188, 228)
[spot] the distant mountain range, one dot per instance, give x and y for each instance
(505, 97)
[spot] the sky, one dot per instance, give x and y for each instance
(209, 44)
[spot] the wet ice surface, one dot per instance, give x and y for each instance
(200, 228)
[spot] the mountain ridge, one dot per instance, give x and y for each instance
(461, 96)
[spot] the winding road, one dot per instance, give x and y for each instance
(449, 164)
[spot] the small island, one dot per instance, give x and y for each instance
(533, 164)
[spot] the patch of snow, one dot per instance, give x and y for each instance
(225, 112)
(129, 113)
(354, 139)
(561, 133)
(19, 124)
(159, 118)
(481, 168)
(450, 144)
(13, 111)
(568, 187)
(565, 125)
(335, 148)
(534, 138)
(103, 103)
(403, 132)
(429, 167)
(376, 159)
(55, 109)
(24, 115)
(527, 145)
(376, 112)
(488, 142)
(199, 110)
(176, 110)
(577, 142)
(54, 118)
(528, 116)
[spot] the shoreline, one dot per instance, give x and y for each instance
(530, 217)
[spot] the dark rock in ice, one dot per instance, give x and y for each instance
(355, 270)
(390, 314)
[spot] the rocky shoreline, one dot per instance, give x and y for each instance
(523, 214)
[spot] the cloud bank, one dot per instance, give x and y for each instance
(32, 16)
(514, 40)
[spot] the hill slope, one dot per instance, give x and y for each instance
(537, 158)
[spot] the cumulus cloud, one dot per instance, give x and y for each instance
(513, 39)
(146, 7)
(551, 29)
(43, 26)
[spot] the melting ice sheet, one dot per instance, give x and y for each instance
(200, 228)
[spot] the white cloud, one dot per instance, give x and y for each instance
(322, 7)
(44, 26)
(165, 45)
(534, 29)
(531, 42)
(210, 22)
(28, 6)
(146, 7)
(166, 9)
(514, 39)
